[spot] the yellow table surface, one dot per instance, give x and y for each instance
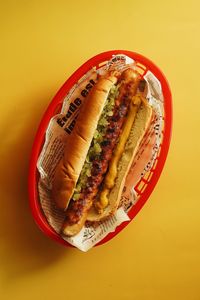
(158, 255)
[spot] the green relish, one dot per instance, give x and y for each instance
(95, 147)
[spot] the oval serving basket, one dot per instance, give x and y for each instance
(146, 184)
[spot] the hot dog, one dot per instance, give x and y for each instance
(89, 179)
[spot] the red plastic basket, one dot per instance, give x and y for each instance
(146, 185)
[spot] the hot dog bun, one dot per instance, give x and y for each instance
(88, 182)
(78, 143)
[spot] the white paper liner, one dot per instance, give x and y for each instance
(90, 235)
(56, 135)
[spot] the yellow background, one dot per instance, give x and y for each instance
(158, 255)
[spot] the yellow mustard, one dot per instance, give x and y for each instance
(110, 177)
